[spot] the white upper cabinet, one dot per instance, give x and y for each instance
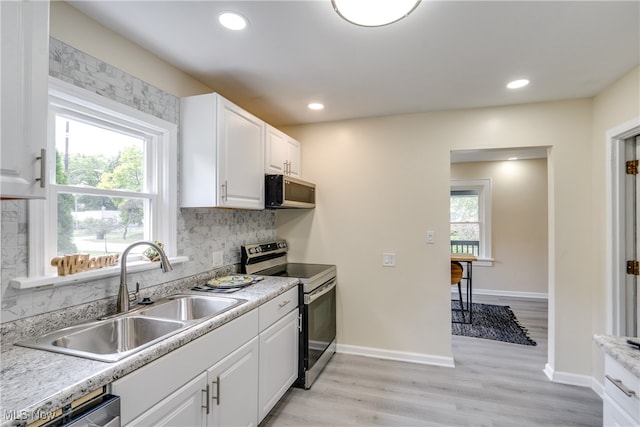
(282, 153)
(222, 154)
(24, 68)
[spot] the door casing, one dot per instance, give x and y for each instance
(616, 241)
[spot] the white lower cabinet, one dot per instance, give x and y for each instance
(224, 395)
(182, 408)
(169, 385)
(232, 376)
(233, 385)
(278, 362)
(621, 406)
(278, 349)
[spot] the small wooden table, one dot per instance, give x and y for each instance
(467, 258)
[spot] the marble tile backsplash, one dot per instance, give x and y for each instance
(73, 66)
(199, 231)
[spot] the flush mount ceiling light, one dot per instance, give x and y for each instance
(374, 13)
(232, 21)
(315, 106)
(517, 84)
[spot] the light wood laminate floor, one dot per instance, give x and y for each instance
(493, 384)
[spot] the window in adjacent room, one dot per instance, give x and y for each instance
(112, 178)
(470, 218)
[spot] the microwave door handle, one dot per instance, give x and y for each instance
(308, 299)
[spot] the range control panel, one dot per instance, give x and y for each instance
(263, 248)
(258, 252)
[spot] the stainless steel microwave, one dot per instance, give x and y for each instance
(283, 191)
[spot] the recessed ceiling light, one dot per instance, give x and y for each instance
(232, 21)
(315, 106)
(517, 84)
(512, 158)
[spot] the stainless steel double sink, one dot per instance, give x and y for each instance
(113, 339)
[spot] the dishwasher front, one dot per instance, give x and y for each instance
(102, 411)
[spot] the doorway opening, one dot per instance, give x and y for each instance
(514, 271)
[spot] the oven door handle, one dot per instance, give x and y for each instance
(308, 299)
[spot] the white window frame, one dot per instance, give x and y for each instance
(483, 187)
(162, 134)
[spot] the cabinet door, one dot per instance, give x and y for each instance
(293, 157)
(240, 138)
(24, 52)
(282, 153)
(185, 407)
(278, 361)
(276, 152)
(233, 384)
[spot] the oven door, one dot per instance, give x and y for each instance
(319, 329)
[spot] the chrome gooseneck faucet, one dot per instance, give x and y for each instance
(123, 292)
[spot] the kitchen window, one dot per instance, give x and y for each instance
(470, 218)
(111, 180)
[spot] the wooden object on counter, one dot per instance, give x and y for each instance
(76, 263)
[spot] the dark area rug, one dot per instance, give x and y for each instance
(492, 322)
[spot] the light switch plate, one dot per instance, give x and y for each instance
(388, 260)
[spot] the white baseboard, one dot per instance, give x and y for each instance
(424, 359)
(502, 293)
(568, 378)
(597, 387)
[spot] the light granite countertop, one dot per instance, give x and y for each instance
(33, 383)
(617, 348)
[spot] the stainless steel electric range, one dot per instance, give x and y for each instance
(317, 302)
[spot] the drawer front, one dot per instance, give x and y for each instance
(622, 387)
(273, 310)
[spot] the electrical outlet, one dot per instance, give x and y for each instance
(216, 258)
(388, 260)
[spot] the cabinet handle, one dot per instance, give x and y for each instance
(224, 191)
(207, 394)
(43, 167)
(287, 167)
(618, 383)
(283, 303)
(217, 396)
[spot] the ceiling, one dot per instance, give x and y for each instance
(445, 55)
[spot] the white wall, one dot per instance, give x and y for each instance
(383, 182)
(519, 226)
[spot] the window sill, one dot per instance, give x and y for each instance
(483, 262)
(85, 276)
